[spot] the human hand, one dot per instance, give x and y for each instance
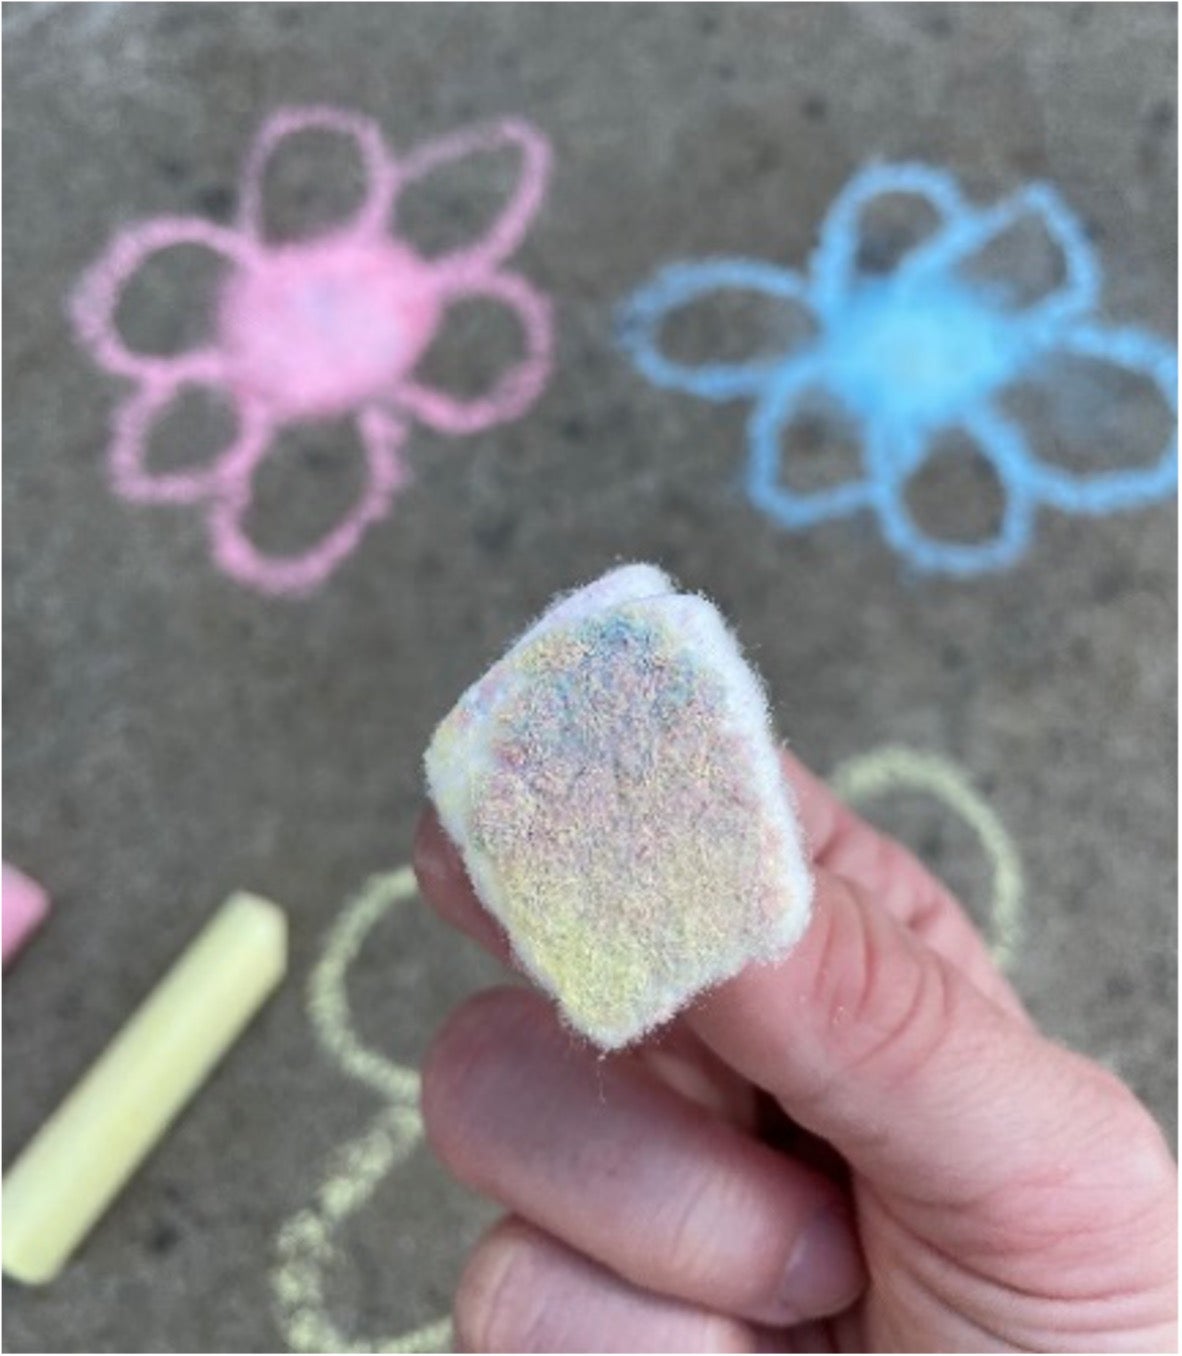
(865, 1147)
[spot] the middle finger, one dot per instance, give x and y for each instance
(600, 1154)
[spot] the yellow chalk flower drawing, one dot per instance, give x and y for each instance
(307, 1245)
(894, 768)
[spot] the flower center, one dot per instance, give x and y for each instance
(318, 329)
(920, 355)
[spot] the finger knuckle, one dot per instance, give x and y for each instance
(498, 1304)
(724, 1241)
(689, 1231)
(885, 1001)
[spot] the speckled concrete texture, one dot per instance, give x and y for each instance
(171, 736)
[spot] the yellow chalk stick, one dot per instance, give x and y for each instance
(91, 1145)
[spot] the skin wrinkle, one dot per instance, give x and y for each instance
(692, 1249)
(934, 996)
(491, 1276)
(961, 1013)
(895, 1273)
(1008, 1286)
(554, 1270)
(979, 1294)
(846, 997)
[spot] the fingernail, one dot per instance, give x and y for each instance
(825, 1272)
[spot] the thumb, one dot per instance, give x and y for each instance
(879, 1044)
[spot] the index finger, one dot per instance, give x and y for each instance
(444, 882)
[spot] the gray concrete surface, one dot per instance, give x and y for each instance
(170, 736)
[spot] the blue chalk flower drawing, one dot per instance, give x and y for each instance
(913, 355)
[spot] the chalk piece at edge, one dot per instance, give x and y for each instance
(23, 908)
(83, 1155)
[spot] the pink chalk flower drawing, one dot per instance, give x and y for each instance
(318, 328)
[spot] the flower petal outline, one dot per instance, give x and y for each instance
(974, 230)
(132, 430)
(1099, 492)
(678, 285)
(765, 484)
(833, 266)
(516, 389)
(508, 229)
(366, 136)
(892, 467)
(301, 572)
(96, 298)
